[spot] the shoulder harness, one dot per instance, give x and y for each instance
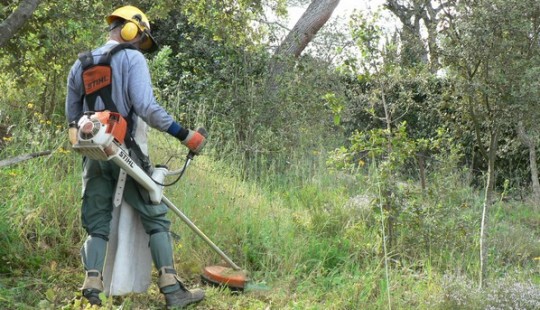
(97, 81)
(97, 77)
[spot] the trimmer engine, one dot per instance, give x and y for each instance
(96, 133)
(100, 135)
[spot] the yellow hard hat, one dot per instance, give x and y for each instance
(134, 22)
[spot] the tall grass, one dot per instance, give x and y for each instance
(309, 235)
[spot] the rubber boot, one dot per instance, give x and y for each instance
(176, 294)
(92, 287)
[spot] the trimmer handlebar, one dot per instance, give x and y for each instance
(204, 133)
(99, 137)
(189, 156)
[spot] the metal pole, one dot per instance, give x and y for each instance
(199, 232)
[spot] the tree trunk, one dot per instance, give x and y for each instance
(488, 201)
(16, 20)
(415, 48)
(422, 169)
(526, 139)
(315, 16)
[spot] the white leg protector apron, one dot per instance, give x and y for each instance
(128, 265)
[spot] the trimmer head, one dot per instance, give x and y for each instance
(235, 280)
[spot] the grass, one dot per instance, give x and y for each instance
(300, 235)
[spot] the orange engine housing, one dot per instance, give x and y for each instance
(116, 124)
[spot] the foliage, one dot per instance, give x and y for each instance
(305, 221)
(223, 88)
(300, 234)
(489, 79)
(34, 230)
(230, 20)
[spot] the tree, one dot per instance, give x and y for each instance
(311, 21)
(414, 14)
(12, 24)
(232, 22)
(315, 16)
(530, 142)
(491, 78)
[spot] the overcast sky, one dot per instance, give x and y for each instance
(346, 6)
(344, 9)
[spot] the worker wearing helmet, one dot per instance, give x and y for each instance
(134, 27)
(131, 93)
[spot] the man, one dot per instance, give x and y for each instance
(132, 97)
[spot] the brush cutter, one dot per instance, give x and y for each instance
(99, 136)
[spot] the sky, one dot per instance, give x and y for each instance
(346, 6)
(344, 9)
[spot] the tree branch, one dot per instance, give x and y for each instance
(18, 159)
(10, 26)
(315, 16)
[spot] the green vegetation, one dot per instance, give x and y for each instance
(301, 236)
(355, 184)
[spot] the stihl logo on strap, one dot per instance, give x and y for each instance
(96, 78)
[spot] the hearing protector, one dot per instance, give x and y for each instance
(133, 22)
(130, 29)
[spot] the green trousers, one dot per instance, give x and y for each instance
(100, 178)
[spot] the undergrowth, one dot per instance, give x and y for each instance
(310, 238)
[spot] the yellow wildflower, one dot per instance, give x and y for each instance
(30, 105)
(62, 150)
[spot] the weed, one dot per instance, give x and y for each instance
(300, 233)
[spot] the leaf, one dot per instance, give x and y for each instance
(43, 304)
(337, 119)
(50, 294)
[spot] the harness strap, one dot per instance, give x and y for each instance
(86, 59)
(120, 185)
(97, 77)
(97, 80)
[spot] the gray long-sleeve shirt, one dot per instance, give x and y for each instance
(131, 89)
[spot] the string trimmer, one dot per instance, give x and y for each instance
(100, 135)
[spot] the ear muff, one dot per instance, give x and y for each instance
(133, 22)
(129, 31)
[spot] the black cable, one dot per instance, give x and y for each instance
(177, 179)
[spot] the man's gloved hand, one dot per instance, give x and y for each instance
(195, 140)
(73, 131)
